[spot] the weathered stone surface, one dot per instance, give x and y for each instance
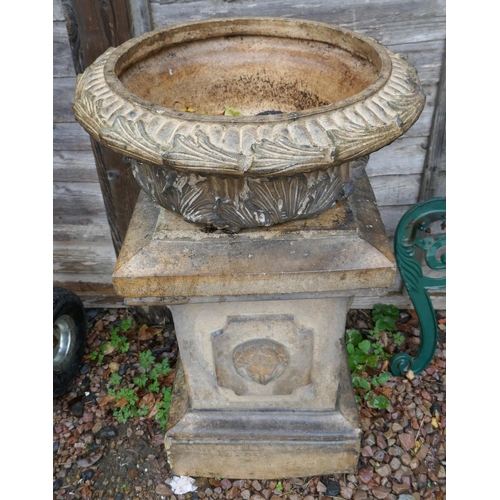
(166, 260)
(201, 164)
(260, 368)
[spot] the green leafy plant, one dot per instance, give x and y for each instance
(97, 356)
(365, 355)
(146, 359)
(119, 341)
(150, 379)
(164, 407)
(115, 379)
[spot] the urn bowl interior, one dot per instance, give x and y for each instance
(253, 67)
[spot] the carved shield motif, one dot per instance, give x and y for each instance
(260, 360)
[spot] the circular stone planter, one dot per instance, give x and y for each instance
(315, 100)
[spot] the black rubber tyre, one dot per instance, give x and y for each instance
(69, 335)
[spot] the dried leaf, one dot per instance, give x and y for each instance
(228, 111)
(109, 349)
(403, 327)
(435, 423)
(386, 391)
(106, 399)
(148, 400)
(114, 366)
(86, 492)
(90, 460)
(121, 403)
(145, 333)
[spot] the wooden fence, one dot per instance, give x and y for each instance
(94, 193)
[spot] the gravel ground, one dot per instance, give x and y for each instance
(403, 449)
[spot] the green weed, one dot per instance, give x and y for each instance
(366, 355)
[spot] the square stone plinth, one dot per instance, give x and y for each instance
(263, 388)
(264, 391)
(165, 260)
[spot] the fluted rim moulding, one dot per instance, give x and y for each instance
(319, 137)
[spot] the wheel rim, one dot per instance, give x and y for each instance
(64, 338)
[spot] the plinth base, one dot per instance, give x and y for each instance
(262, 444)
(260, 322)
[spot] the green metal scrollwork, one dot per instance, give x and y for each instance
(413, 232)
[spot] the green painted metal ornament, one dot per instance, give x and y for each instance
(414, 237)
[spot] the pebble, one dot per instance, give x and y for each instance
(370, 440)
(395, 451)
(406, 458)
(85, 369)
(395, 463)
(108, 432)
(383, 471)
(407, 441)
(366, 451)
(55, 446)
(256, 485)
(381, 442)
(77, 409)
(381, 492)
(320, 487)
(163, 489)
(400, 488)
(225, 484)
(87, 474)
(232, 492)
(332, 488)
(360, 495)
(57, 484)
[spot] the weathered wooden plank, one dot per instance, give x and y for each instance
(80, 258)
(436, 149)
(57, 11)
(63, 93)
(74, 166)
(93, 300)
(391, 215)
(98, 231)
(426, 56)
(140, 15)
(70, 137)
(83, 199)
(396, 189)
(62, 60)
(440, 187)
(93, 27)
(404, 156)
(391, 22)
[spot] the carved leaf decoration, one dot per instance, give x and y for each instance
(281, 154)
(88, 111)
(127, 135)
(204, 155)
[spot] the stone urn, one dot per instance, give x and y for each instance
(246, 122)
